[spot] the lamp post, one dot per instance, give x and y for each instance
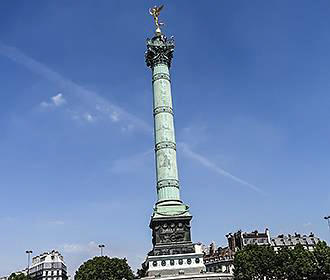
(101, 246)
(328, 219)
(28, 252)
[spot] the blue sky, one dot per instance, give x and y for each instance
(250, 82)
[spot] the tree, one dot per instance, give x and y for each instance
(321, 261)
(283, 263)
(261, 262)
(18, 276)
(254, 262)
(104, 268)
(294, 264)
(302, 263)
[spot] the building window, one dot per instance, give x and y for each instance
(189, 261)
(197, 260)
(154, 263)
(163, 263)
(171, 262)
(181, 261)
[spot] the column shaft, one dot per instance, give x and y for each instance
(165, 146)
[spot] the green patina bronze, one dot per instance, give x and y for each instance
(159, 57)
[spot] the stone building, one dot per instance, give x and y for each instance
(238, 240)
(48, 266)
(308, 241)
(218, 259)
(222, 259)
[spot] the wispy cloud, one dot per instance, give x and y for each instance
(103, 106)
(74, 248)
(91, 98)
(114, 116)
(56, 100)
(56, 222)
(212, 166)
(89, 117)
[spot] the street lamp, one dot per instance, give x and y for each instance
(101, 246)
(28, 252)
(328, 219)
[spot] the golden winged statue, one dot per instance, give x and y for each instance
(155, 12)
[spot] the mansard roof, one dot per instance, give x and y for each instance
(292, 240)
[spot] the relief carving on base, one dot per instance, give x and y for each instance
(171, 232)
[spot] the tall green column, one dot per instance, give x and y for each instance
(159, 57)
(165, 146)
(173, 252)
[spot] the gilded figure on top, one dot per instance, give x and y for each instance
(155, 12)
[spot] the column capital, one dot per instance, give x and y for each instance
(159, 51)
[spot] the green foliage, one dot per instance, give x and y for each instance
(104, 268)
(19, 276)
(283, 263)
(262, 262)
(321, 261)
(295, 264)
(254, 262)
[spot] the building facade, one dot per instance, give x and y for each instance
(308, 241)
(218, 259)
(239, 239)
(222, 259)
(48, 266)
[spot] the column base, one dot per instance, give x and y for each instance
(179, 264)
(170, 208)
(173, 252)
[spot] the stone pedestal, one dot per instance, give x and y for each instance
(171, 236)
(173, 252)
(176, 264)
